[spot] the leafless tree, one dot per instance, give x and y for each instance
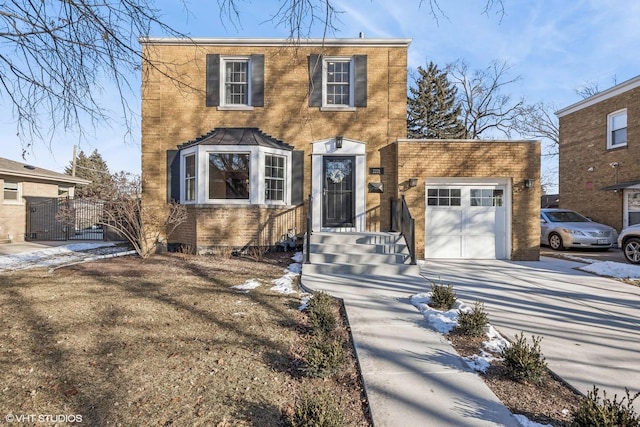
(141, 225)
(124, 213)
(539, 121)
(486, 108)
(54, 54)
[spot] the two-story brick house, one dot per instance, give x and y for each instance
(243, 131)
(600, 155)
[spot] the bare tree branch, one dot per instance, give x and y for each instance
(484, 106)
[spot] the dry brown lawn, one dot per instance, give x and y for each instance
(162, 341)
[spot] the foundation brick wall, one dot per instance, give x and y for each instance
(583, 144)
(518, 160)
(174, 114)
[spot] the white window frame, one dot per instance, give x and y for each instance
(187, 180)
(18, 192)
(325, 81)
(283, 180)
(610, 128)
(257, 185)
(223, 82)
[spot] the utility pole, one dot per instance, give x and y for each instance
(73, 162)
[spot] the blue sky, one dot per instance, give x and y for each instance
(554, 46)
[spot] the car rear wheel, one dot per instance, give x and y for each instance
(555, 241)
(631, 250)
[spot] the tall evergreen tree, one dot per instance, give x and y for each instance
(432, 111)
(95, 169)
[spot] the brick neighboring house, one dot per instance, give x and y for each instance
(600, 155)
(250, 128)
(22, 183)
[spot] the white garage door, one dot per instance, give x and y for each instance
(466, 221)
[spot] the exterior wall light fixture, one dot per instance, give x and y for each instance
(528, 183)
(413, 182)
(338, 141)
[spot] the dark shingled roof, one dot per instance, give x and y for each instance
(237, 136)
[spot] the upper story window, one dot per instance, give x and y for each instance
(11, 192)
(338, 83)
(617, 129)
(235, 82)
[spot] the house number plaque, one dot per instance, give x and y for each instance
(376, 171)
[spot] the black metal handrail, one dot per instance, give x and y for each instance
(401, 219)
(307, 249)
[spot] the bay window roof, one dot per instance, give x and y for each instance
(238, 136)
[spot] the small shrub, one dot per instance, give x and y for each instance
(593, 411)
(474, 322)
(320, 313)
(316, 411)
(442, 297)
(524, 362)
(324, 357)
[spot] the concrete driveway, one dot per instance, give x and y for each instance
(590, 325)
(613, 254)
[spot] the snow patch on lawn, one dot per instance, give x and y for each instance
(283, 284)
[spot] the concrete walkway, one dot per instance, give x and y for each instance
(590, 327)
(412, 375)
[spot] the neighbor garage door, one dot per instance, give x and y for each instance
(466, 221)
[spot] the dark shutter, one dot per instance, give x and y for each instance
(257, 80)
(360, 89)
(315, 80)
(297, 177)
(213, 80)
(173, 175)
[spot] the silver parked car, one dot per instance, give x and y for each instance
(562, 228)
(629, 242)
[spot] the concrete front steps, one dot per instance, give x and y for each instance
(348, 254)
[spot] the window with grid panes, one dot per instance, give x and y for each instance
(274, 177)
(486, 197)
(190, 178)
(338, 82)
(236, 81)
(443, 197)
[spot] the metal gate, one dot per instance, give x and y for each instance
(64, 218)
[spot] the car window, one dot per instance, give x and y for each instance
(566, 216)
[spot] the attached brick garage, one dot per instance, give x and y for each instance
(472, 198)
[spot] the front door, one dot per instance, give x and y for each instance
(338, 177)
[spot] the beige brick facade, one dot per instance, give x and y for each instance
(513, 160)
(175, 112)
(585, 162)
